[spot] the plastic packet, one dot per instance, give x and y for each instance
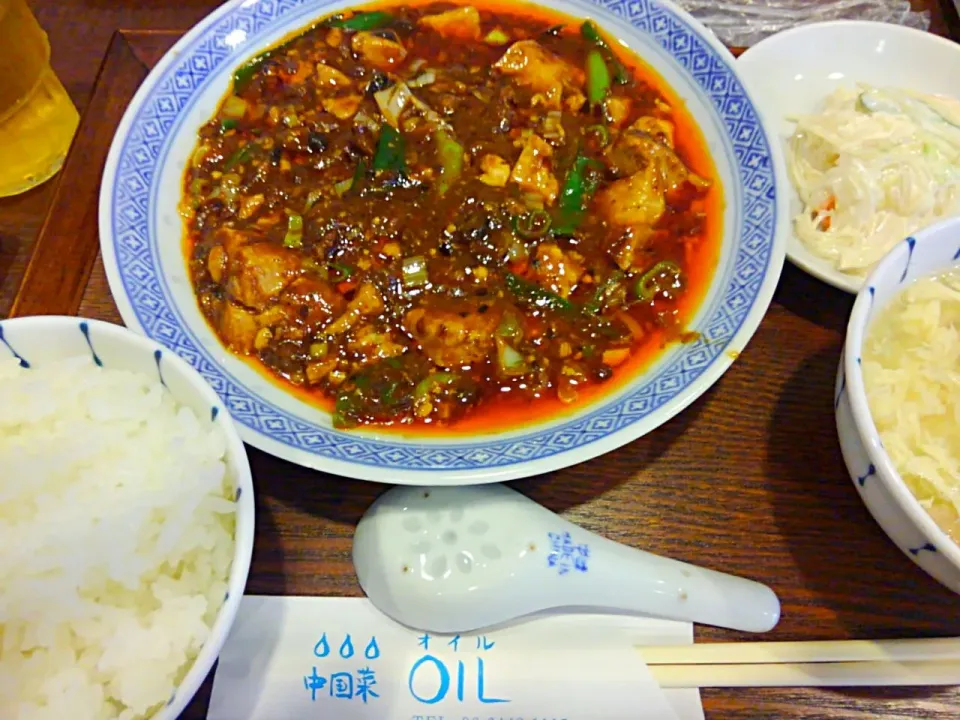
(741, 23)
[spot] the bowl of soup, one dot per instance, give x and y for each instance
(445, 243)
(896, 398)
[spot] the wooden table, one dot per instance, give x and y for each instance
(747, 480)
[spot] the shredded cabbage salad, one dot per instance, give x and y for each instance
(874, 166)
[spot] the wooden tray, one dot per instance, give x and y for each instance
(747, 480)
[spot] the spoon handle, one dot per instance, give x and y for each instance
(623, 578)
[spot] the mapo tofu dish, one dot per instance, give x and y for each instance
(435, 213)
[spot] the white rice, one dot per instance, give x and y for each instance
(116, 538)
(911, 372)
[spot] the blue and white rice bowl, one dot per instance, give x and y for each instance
(41, 342)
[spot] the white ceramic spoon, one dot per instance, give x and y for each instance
(457, 559)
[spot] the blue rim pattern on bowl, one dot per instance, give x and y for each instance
(147, 142)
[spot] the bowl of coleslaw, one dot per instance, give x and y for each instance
(868, 120)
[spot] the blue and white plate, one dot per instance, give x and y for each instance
(141, 242)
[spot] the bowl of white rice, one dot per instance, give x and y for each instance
(898, 398)
(126, 523)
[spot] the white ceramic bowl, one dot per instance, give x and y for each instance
(46, 339)
(140, 231)
(883, 491)
(791, 73)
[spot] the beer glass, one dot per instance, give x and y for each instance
(37, 117)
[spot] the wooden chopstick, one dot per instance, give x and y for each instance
(835, 651)
(841, 674)
(843, 663)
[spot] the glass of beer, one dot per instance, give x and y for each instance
(37, 118)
